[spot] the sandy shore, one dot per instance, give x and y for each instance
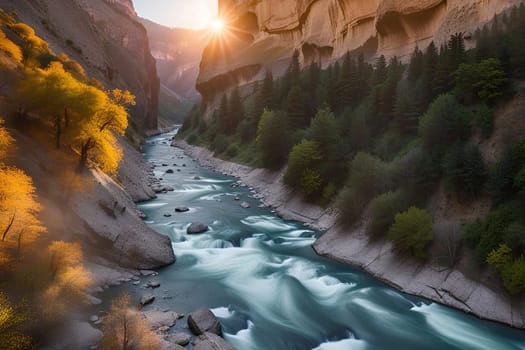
(447, 286)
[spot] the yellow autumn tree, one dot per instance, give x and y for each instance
(11, 321)
(5, 140)
(125, 329)
(19, 209)
(64, 279)
(34, 47)
(9, 49)
(53, 93)
(97, 134)
(82, 115)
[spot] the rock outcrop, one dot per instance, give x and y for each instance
(202, 321)
(266, 32)
(105, 37)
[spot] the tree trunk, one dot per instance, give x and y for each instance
(6, 231)
(84, 155)
(58, 131)
(19, 247)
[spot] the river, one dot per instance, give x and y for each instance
(261, 278)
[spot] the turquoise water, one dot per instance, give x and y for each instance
(260, 276)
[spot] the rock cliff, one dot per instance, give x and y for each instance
(105, 37)
(263, 32)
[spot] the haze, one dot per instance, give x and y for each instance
(195, 14)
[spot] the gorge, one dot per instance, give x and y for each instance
(330, 112)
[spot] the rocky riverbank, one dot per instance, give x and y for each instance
(444, 285)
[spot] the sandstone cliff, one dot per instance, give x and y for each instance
(106, 39)
(263, 32)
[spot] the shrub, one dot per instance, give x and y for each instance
(368, 174)
(310, 182)
(350, 204)
(220, 144)
(125, 328)
(511, 271)
(329, 191)
(514, 276)
(192, 139)
(486, 235)
(305, 155)
(232, 151)
(411, 232)
(384, 209)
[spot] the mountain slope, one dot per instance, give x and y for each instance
(100, 35)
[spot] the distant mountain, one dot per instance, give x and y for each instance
(178, 53)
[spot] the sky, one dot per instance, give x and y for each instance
(194, 14)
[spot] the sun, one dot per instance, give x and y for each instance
(217, 25)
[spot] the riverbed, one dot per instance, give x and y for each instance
(261, 278)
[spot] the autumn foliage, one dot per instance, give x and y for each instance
(125, 328)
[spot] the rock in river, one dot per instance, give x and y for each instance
(196, 228)
(202, 321)
(153, 284)
(179, 338)
(210, 341)
(147, 299)
(245, 205)
(182, 209)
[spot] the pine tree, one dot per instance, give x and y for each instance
(295, 108)
(380, 73)
(222, 115)
(416, 66)
(235, 110)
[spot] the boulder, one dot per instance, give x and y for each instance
(196, 228)
(202, 321)
(153, 284)
(196, 178)
(245, 205)
(169, 171)
(210, 341)
(167, 215)
(182, 209)
(146, 299)
(179, 338)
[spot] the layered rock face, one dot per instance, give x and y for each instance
(263, 32)
(106, 39)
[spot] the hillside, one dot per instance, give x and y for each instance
(100, 35)
(69, 174)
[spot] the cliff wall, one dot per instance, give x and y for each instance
(262, 32)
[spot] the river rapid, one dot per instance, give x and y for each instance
(261, 278)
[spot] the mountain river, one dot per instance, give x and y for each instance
(261, 278)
